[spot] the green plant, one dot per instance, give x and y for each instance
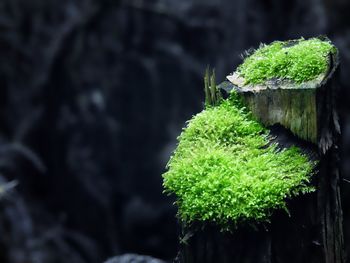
(225, 171)
(299, 60)
(212, 93)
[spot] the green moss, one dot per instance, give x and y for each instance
(223, 171)
(302, 61)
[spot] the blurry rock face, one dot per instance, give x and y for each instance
(133, 258)
(93, 94)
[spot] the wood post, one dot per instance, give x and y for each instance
(304, 115)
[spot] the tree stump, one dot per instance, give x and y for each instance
(304, 115)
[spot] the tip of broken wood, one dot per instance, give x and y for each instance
(239, 82)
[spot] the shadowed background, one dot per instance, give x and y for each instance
(92, 97)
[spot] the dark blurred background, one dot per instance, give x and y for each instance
(94, 93)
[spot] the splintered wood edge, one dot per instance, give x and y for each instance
(282, 102)
(239, 82)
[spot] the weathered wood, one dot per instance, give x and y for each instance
(306, 116)
(290, 105)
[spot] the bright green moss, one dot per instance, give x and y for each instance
(299, 62)
(223, 171)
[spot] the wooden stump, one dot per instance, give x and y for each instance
(304, 115)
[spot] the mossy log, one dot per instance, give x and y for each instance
(304, 115)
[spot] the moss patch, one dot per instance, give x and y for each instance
(302, 61)
(223, 171)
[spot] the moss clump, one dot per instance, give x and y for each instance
(300, 60)
(223, 171)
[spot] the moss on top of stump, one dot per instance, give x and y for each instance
(225, 170)
(297, 60)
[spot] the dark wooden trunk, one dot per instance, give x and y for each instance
(312, 233)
